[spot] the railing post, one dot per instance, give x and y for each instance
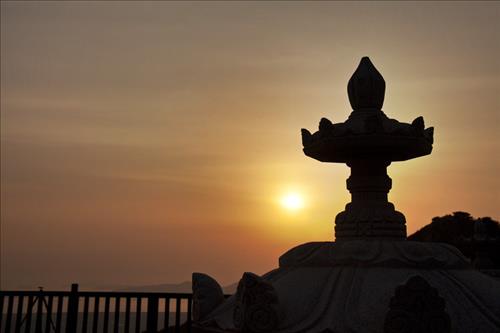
(152, 321)
(39, 309)
(189, 310)
(72, 315)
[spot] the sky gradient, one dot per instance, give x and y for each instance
(143, 141)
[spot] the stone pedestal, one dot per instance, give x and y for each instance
(369, 214)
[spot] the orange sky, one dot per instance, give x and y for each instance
(143, 141)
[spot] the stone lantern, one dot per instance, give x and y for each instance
(368, 142)
(371, 279)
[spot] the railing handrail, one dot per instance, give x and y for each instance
(98, 293)
(77, 300)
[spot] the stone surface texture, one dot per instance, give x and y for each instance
(371, 279)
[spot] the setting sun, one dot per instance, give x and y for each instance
(292, 201)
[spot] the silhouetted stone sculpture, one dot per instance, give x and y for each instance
(417, 308)
(366, 280)
(207, 295)
(368, 142)
(257, 306)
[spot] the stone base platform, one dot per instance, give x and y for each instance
(363, 286)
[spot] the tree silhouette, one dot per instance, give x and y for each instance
(461, 230)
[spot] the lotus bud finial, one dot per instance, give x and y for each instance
(366, 88)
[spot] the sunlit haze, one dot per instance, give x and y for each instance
(142, 141)
(292, 201)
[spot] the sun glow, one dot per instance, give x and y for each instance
(292, 201)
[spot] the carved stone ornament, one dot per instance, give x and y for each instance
(417, 308)
(207, 295)
(368, 141)
(256, 309)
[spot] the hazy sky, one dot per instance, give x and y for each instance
(143, 141)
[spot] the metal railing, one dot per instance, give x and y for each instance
(89, 311)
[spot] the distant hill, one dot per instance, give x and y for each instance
(458, 230)
(230, 289)
(183, 287)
